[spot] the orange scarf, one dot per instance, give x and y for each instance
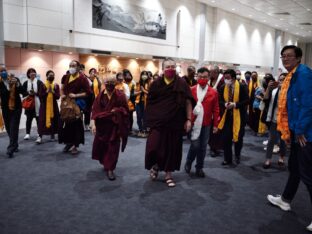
(282, 115)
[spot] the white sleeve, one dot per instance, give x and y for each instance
(127, 91)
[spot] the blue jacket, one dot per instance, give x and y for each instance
(299, 102)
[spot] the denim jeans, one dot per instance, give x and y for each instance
(198, 148)
(139, 108)
(274, 137)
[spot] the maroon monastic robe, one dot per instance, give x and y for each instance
(166, 116)
(111, 118)
(73, 133)
(42, 129)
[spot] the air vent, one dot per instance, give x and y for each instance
(281, 13)
(101, 52)
(305, 24)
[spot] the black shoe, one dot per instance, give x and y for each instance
(200, 173)
(16, 150)
(67, 148)
(111, 175)
(187, 167)
(237, 160)
(10, 154)
(225, 163)
(266, 166)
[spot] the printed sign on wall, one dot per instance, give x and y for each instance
(120, 16)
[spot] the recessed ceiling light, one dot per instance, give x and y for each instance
(40, 50)
(276, 25)
(70, 52)
(136, 58)
(213, 1)
(233, 9)
(264, 20)
(281, 19)
(308, 9)
(297, 33)
(117, 56)
(286, 29)
(95, 55)
(250, 15)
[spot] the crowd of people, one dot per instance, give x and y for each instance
(211, 107)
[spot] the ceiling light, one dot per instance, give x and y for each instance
(136, 58)
(95, 55)
(70, 52)
(264, 20)
(281, 19)
(40, 50)
(213, 1)
(308, 9)
(276, 25)
(297, 33)
(286, 29)
(233, 9)
(250, 15)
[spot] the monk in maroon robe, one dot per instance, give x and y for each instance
(76, 86)
(49, 127)
(168, 115)
(110, 124)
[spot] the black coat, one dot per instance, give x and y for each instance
(5, 95)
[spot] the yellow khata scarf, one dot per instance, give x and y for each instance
(96, 87)
(72, 78)
(49, 104)
(236, 114)
(262, 127)
(282, 115)
(252, 85)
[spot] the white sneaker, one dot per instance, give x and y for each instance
(265, 142)
(276, 149)
(277, 201)
(309, 228)
(39, 140)
(26, 137)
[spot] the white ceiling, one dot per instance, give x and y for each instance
(264, 11)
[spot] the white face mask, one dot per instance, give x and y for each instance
(72, 70)
(238, 77)
(228, 82)
(144, 77)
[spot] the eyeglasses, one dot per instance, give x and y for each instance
(201, 76)
(285, 56)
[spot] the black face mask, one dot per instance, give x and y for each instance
(110, 87)
(51, 78)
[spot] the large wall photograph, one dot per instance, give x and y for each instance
(120, 16)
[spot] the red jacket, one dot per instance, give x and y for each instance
(211, 106)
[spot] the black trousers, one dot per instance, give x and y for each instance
(11, 121)
(87, 117)
(300, 168)
(131, 120)
(227, 135)
(30, 115)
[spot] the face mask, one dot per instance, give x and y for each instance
(4, 75)
(238, 77)
(170, 73)
(72, 70)
(128, 79)
(110, 87)
(144, 77)
(247, 77)
(202, 82)
(228, 82)
(51, 78)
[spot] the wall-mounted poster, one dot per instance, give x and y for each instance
(121, 16)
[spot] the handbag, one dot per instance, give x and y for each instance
(29, 103)
(70, 111)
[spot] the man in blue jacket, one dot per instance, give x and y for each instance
(298, 129)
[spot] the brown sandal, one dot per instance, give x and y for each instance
(154, 173)
(170, 182)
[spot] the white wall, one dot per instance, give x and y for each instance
(229, 38)
(40, 21)
(239, 40)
